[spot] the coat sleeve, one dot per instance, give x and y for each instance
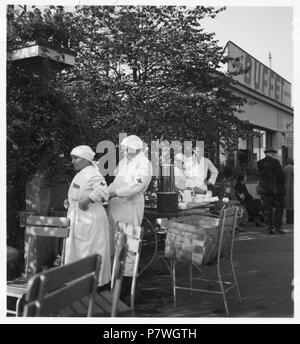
(280, 173)
(139, 182)
(99, 188)
(213, 172)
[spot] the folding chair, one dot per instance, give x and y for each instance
(54, 289)
(226, 228)
(118, 271)
(37, 226)
(134, 237)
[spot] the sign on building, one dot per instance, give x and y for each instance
(258, 77)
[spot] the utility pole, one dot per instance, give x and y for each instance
(270, 60)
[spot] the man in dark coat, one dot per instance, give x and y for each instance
(271, 189)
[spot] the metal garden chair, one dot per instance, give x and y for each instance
(226, 231)
(118, 271)
(134, 237)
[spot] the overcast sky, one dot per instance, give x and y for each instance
(258, 31)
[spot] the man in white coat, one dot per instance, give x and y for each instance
(89, 232)
(191, 172)
(126, 192)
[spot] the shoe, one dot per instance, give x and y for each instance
(280, 231)
(103, 288)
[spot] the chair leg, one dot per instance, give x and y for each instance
(132, 304)
(191, 278)
(20, 305)
(174, 280)
(132, 294)
(167, 265)
(116, 297)
(235, 280)
(222, 287)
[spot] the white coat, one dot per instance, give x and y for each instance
(89, 232)
(131, 181)
(194, 172)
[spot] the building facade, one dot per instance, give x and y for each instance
(269, 110)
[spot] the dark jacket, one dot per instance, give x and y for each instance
(271, 176)
(253, 206)
(227, 189)
(241, 189)
(288, 171)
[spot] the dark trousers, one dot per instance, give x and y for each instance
(253, 207)
(290, 216)
(270, 202)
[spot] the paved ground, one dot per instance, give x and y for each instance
(264, 267)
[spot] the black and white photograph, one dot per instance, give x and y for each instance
(149, 171)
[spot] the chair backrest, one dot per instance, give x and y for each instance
(46, 226)
(56, 288)
(227, 225)
(118, 270)
(134, 236)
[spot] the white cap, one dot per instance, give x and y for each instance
(133, 142)
(84, 152)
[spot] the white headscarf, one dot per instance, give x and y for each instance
(133, 142)
(84, 152)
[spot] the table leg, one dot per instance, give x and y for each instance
(155, 255)
(155, 249)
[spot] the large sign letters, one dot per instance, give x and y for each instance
(259, 77)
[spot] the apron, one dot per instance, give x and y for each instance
(89, 231)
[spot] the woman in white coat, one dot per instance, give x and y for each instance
(89, 231)
(126, 192)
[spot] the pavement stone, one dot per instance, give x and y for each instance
(264, 266)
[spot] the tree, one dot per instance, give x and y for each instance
(145, 70)
(42, 123)
(154, 72)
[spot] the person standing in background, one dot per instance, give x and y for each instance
(126, 194)
(89, 230)
(271, 189)
(194, 172)
(289, 190)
